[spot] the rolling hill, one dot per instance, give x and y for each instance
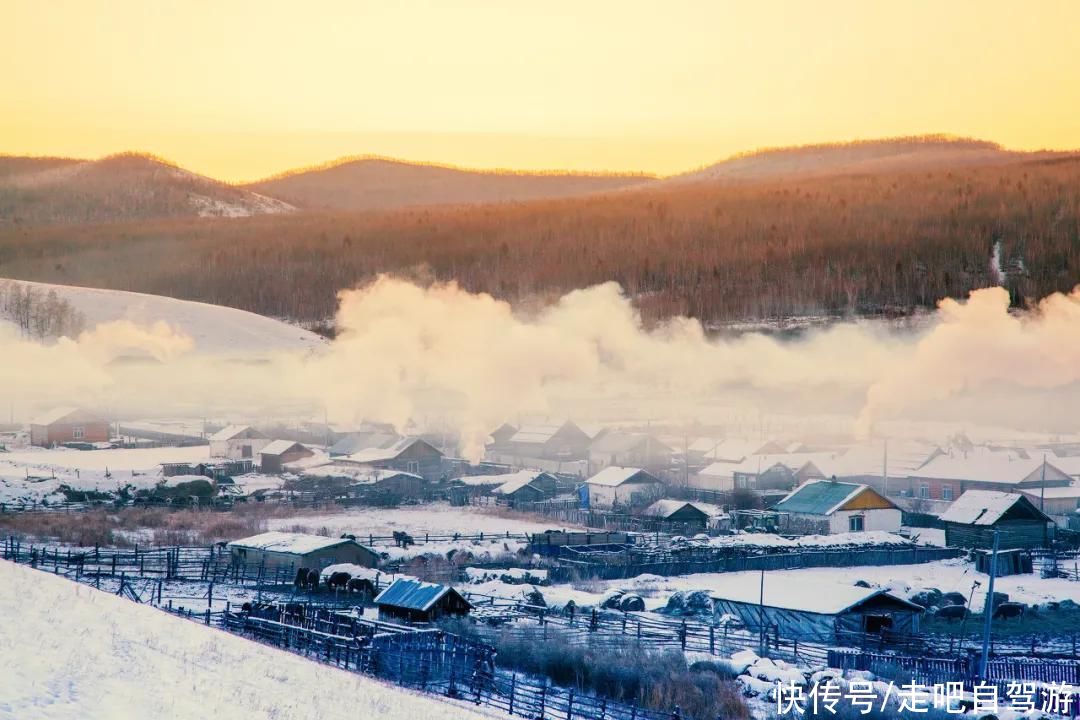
(43, 191)
(379, 184)
(928, 152)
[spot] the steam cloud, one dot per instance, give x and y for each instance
(441, 355)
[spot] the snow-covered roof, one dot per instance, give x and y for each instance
(903, 459)
(356, 571)
(732, 450)
(280, 447)
(413, 594)
(230, 431)
(1004, 468)
(826, 598)
(379, 454)
(53, 416)
(289, 543)
(614, 476)
(175, 480)
(983, 507)
(517, 481)
(666, 507)
(538, 434)
(1055, 493)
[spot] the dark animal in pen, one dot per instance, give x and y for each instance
(403, 539)
(338, 581)
(954, 598)
(952, 612)
(1009, 610)
(301, 580)
(357, 585)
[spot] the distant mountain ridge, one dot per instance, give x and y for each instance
(923, 152)
(377, 183)
(128, 186)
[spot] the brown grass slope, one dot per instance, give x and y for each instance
(42, 191)
(924, 152)
(380, 183)
(889, 241)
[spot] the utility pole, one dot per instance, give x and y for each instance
(761, 616)
(988, 608)
(1042, 487)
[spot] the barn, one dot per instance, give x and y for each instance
(526, 486)
(688, 515)
(411, 455)
(237, 442)
(295, 550)
(616, 485)
(68, 424)
(824, 613)
(634, 449)
(415, 601)
(838, 507)
(550, 442)
(275, 455)
(971, 520)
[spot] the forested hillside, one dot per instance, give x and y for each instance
(867, 243)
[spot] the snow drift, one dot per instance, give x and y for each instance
(74, 652)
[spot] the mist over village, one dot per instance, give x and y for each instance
(618, 361)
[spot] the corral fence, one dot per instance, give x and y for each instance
(620, 566)
(1001, 672)
(433, 661)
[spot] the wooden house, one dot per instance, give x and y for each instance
(68, 424)
(526, 486)
(237, 442)
(839, 507)
(500, 437)
(971, 520)
(274, 550)
(947, 477)
(415, 601)
(275, 455)
(629, 450)
(688, 516)
(624, 487)
(411, 455)
(823, 613)
(564, 442)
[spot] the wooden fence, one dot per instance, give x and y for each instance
(436, 662)
(628, 565)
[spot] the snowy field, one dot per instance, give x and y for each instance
(74, 653)
(435, 519)
(905, 580)
(215, 329)
(33, 475)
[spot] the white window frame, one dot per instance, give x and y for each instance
(859, 520)
(946, 492)
(78, 432)
(924, 492)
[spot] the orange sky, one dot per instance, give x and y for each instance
(242, 88)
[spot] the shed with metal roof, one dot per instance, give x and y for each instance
(417, 601)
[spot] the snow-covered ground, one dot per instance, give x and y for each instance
(215, 329)
(905, 580)
(434, 519)
(72, 652)
(32, 475)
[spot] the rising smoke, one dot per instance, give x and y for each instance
(442, 355)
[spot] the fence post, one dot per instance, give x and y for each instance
(712, 640)
(570, 705)
(513, 685)
(543, 698)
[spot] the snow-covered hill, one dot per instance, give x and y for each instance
(213, 328)
(129, 186)
(75, 653)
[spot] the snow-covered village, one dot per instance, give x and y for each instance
(699, 360)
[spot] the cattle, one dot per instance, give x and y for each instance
(953, 598)
(338, 581)
(1008, 610)
(301, 580)
(293, 613)
(952, 612)
(357, 585)
(313, 580)
(348, 536)
(403, 539)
